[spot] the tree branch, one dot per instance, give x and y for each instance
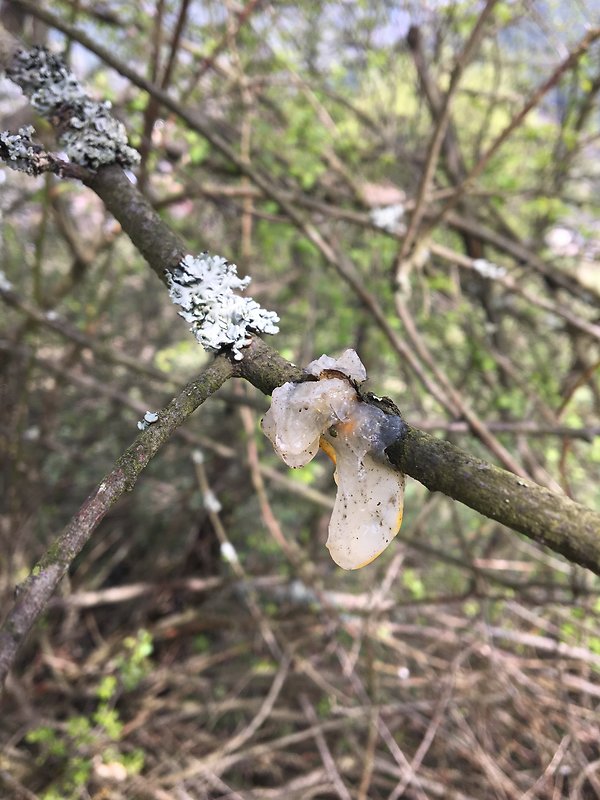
(34, 593)
(339, 261)
(551, 520)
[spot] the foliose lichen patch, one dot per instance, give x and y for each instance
(204, 286)
(20, 151)
(88, 132)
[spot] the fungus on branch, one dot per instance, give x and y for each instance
(329, 413)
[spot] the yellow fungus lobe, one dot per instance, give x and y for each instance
(329, 413)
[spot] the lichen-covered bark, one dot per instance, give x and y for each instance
(86, 129)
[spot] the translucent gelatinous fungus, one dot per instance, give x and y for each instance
(330, 414)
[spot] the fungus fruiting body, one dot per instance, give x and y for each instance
(329, 413)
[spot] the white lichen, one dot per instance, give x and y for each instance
(211, 502)
(204, 287)
(487, 269)
(88, 132)
(198, 456)
(329, 413)
(388, 218)
(5, 284)
(563, 241)
(299, 592)
(150, 417)
(20, 151)
(229, 553)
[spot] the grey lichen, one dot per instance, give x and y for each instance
(204, 287)
(88, 132)
(388, 218)
(150, 417)
(21, 153)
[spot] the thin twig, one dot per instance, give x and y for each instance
(33, 595)
(568, 63)
(326, 757)
(439, 133)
